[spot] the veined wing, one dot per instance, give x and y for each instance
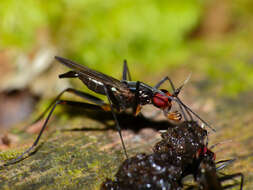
(94, 80)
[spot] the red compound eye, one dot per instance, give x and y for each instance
(205, 152)
(161, 101)
(202, 151)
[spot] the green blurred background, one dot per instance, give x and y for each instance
(153, 36)
(212, 39)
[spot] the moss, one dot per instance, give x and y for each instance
(66, 160)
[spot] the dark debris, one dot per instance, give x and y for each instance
(166, 166)
(182, 151)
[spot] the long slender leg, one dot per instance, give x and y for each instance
(136, 109)
(91, 98)
(186, 107)
(69, 74)
(58, 102)
(232, 176)
(175, 94)
(81, 94)
(176, 90)
(126, 74)
(116, 120)
(162, 81)
(224, 163)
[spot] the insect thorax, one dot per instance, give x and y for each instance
(145, 97)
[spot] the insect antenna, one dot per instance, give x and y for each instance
(126, 73)
(219, 143)
(186, 107)
(176, 92)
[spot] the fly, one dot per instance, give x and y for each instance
(121, 94)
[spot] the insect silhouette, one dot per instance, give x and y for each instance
(207, 173)
(121, 94)
(181, 152)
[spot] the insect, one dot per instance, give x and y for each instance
(126, 93)
(120, 94)
(207, 173)
(181, 152)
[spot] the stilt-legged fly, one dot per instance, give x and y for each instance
(127, 93)
(207, 172)
(120, 94)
